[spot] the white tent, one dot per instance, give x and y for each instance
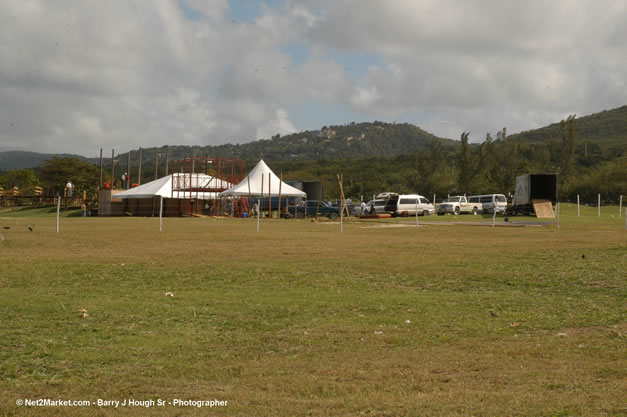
(251, 185)
(175, 186)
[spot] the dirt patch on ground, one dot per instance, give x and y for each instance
(620, 330)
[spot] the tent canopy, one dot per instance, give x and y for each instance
(165, 187)
(251, 185)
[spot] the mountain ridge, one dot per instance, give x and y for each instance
(605, 130)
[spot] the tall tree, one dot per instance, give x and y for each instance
(24, 179)
(430, 170)
(56, 172)
(507, 163)
(466, 165)
(569, 142)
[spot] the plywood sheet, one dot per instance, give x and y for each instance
(543, 209)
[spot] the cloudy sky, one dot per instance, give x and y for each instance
(78, 75)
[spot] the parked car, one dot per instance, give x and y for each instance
(409, 204)
(310, 207)
(356, 209)
(458, 204)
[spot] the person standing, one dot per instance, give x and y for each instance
(70, 188)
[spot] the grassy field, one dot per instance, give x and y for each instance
(384, 319)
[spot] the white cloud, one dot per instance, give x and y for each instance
(481, 65)
(76, 76)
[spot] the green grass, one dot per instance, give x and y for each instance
(302, 320)
(34, 211)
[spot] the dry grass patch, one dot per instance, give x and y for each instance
(302, 320)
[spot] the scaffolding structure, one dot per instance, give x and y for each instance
(202, 178)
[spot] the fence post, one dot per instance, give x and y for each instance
(620, 205)
(599, 204)
(416, 211)
(578, 211)
(58, 211)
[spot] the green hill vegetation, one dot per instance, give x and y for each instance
(588, 153)
(602, 134)
(22, 159)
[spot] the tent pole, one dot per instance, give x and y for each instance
(269, 195)
(280, 182)
(248, 181)
(262, 178)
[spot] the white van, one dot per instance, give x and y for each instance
(491, 202)
(408, 204)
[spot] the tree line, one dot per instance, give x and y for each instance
(438, 168)
(489, 167)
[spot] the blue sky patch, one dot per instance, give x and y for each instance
(248, 10)
(297, 50)
(356, 64)
(189, 12)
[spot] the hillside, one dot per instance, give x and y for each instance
(346, 141)
(603, 135)
(606, 131)
(21, 159)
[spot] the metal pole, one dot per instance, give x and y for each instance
(416, 212)
(341, 216)
(58, 211)
(578, 210)
(620, 205)
(280, 184)
(558, 214)
(269, 195)
(494, 216)
(258, 210)
(128, 171)
(599, 204)
(112, 168)
(166, 163)
(101, 168)
(161, 214)
(341, 178)
(139, 171)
